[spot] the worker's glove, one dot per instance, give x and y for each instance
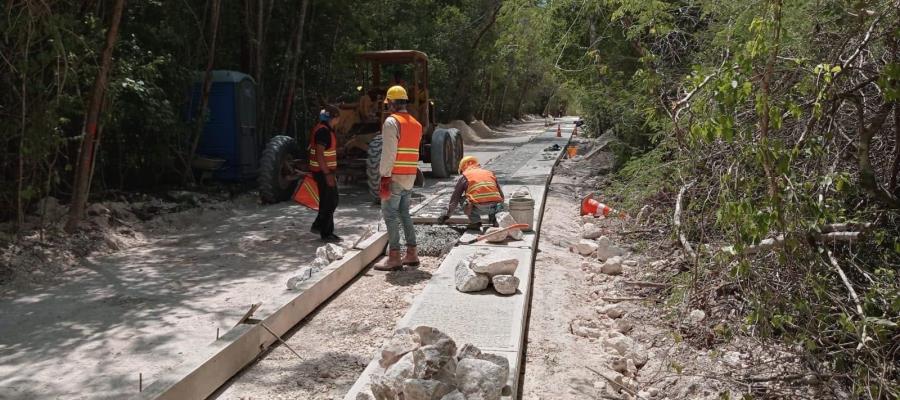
(384, 188)
(443, 219)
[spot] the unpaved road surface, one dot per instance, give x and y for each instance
(100, 328)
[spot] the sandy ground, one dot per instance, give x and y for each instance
(337, 342)
(568, 349)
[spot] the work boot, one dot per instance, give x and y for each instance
(393, 262)
(493, 219)
(475, 226)
(411, 257)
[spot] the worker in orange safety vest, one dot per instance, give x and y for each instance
(323, 165)
(478, 191)
(402, 135)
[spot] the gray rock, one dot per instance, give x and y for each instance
(435, 356)
(480, 379)
(468, 350)
(364, 396)
(612, 266)
(430, 335)
(586, 328)
(294, 283)
(334, 252)
(454, 395)
(468, 280)
(611, 310)
(505, 284)
(404, 340)
(320, 263)
(447, 374)
(381, 389)
(696, 316)
(494, 264)
(732, 359)
(500, 361)
(620, 343)
(590, 231)
(421, 389)
(403, 369)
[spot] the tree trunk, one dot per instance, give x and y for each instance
(207, 85)
(296, 55)
(463, 79)
(86, 154)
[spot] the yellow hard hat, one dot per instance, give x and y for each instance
(396, 93)
(466, 162)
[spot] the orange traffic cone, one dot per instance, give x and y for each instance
(589, 206)
(558, 130)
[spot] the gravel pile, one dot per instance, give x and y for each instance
(434, 240)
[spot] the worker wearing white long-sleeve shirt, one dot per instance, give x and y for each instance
(402, 135)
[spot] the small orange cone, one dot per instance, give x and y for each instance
(307, 193)
(558, 130)
(589, 206)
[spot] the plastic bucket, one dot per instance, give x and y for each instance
(521, 208)
(572, 150)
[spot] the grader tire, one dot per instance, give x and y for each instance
(274, 187)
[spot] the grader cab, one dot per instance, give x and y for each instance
(359, 129)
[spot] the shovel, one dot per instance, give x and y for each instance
(482, 237)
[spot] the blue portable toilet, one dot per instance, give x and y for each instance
(230, 130)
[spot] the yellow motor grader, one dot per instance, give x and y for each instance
(359, 130)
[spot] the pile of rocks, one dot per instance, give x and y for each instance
(423, 363)
(324, 256)
(476, 272)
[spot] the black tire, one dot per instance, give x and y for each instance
(442, 154)
(458, 150)
(373, 160)
(274, 164)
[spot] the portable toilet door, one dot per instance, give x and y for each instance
(230, 131)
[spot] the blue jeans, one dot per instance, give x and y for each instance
(477, 209)
(396, 214)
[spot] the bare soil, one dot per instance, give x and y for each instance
(336, 342)
(568, 355)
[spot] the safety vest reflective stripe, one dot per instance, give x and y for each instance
(482, 186)
(330, 153)
(410, 137)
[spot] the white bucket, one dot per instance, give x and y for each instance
(521, 208)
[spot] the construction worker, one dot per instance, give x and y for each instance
(479, 192)
(323, 165)
(402, 135)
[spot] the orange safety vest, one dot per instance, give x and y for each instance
(330, 152)
(407, 160)
(482, 186)
(307, 193)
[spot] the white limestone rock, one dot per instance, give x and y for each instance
(620, 343)
(696, 316)
(586, 328)
(468, 350)
(612, 266)
(590, 231)
(495, 264)
(613, 311)
(468, 280)
(606, 249)
(505, 284)
(294, 283)
(480, 379)
(454, 395)
(500, 361)
(403, 369)
(495, 235)
(422, 389)
(586, 247)
(403, 341)
(505, 220)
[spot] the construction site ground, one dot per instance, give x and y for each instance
(118, 321)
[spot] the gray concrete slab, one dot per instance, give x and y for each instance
(494, 323)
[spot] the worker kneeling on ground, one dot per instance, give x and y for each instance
(482, 194)
(402, 135)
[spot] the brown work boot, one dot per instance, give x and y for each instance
(392, 263)
(411, 257)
